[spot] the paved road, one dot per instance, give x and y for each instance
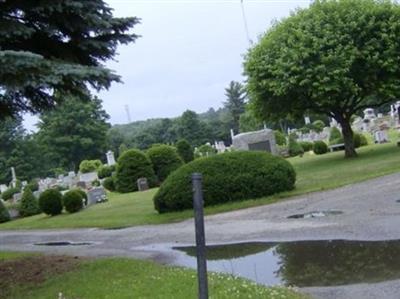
(370, 212)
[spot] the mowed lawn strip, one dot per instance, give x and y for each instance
(314, 173)
(127, 278)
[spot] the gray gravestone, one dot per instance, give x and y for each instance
(142, 184)
(17, 197)
(96, 195)
(81, 184)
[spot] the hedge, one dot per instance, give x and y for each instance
(295, 148)
(73, 201)
(226, 177)
(50, 202)
(108, 183)
(165, 159)
(185, 150)
(29, 204)
(306, 145)
(320, 147)
(4, 214)
(105, 171)
(9, 193)
(132, 165)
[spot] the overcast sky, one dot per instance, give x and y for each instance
(188, 52)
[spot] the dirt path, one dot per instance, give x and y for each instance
(370, 212)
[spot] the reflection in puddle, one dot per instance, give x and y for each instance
(304, 263)
(63, 243)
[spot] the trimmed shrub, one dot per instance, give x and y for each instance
(132, 165)
(320, 147)
(4, 214)
(33, 185)
(50, 202)
(89, 166)
(306, 145)
(29, 204)
(185, 150)
(205, 150)
(9, 193)
(295, 148)
(280, 138)
(73, 201)
(108, 183)
(82, 193)
(165, 159)
(359, 140)
(318, 126)
(105, 171)
(96, 183)
(226, 177)
(335, 136)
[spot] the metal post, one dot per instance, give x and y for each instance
(200, 236)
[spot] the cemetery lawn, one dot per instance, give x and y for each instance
(314, 173)
(119, 278)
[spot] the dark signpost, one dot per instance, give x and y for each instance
(200, 235)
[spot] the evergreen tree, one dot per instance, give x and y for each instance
(4, 214)
(29, 204)
(235, 103)
(75, 131)
(56, 46)
(185, 150)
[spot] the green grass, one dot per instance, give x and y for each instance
(10, 255)
(126, 278)
(314, 173)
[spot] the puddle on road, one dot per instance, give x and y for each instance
(63, 243)
(303, 263)
(316, 214)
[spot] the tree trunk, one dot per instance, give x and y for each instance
(349, 150)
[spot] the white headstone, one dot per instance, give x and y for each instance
(110, 158)
(307, 120)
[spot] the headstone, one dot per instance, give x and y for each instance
(81, 185)
(71, 174)
(17, 197)
(3, 188)
(110, 158)
(307, 120)
(14, 177)
(263, 140)
(381, 136)
(88, 177)
(142, 184)
(96, 195)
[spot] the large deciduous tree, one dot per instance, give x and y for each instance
(56, 46)
(337, 57)
(74, 131)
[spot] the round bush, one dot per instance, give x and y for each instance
(4, 214)
(226, 177)
(73, 201)
(306, 145)
(29, 204)
(89, 165)
(9, 193)
(108, 183)
(50, 202)
(295, 148)
(320, 148)
(359, 140)
(280, 138)
(185, 150)
(105, 171)
(165, 159)
(82, 193)
(132, 165)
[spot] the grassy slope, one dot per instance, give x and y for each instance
(314, 173)
(10, 255)
(127, 278)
